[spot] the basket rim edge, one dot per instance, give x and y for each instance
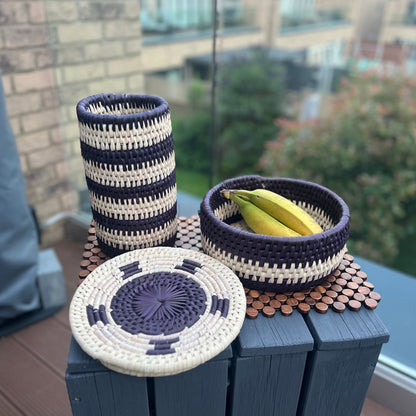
(341, 224)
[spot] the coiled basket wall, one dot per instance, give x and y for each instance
(278, 264)
(129, 160)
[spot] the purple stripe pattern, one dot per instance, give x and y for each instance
(128, 151)
(140, 157)
(96, 315)
(163, 346)
(188, 266)
(273, 252)
(130, 269)
(221, 305)
(116, 251)
(143, 223)
(158, 303)
(154, 190)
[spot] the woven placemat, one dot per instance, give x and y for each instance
(157, 311)
(347, 288)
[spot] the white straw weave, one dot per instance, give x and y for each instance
(118, 316)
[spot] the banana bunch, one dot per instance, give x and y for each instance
(268, 213)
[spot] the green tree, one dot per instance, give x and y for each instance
(365, 151)
(191, 132)
(250, 97)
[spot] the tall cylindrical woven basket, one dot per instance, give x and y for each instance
(129, 161)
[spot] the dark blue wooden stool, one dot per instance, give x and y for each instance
(340, 367)
(94, 390)
(320, 364)
(268, 366)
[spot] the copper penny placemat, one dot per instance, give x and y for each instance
(347, 287)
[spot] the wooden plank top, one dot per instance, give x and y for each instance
(277, 335)
(346, 330)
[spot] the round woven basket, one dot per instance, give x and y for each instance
(129, 161)
(277, 264)
(157, 311)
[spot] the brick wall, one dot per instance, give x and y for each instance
(52, 54)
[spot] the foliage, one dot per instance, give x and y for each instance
(194, 183)
(192, 132)
(366, 152)
(250, 97)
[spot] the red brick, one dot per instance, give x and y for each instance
(24, 103)
(82, 32)
(69, 54)
(36, 80)
(85, 72)
(16, 61)
(50, 98)
(102, 50)
(44, 58)
(12, 13)
(38, 178)
(41, 120)
(100, 11)
(41, 158)
(37, 12)
(61, 11)
(27, 143)
(122, 29)
(17, 37)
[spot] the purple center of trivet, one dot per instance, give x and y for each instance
(158, 303)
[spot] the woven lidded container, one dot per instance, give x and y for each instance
(129, 161)
(277, 264)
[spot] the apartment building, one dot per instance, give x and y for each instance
(177, 31)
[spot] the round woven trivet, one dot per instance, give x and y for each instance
(157, 311)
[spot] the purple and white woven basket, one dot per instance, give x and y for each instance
(277, 264)
(157, 311)
(129, 161)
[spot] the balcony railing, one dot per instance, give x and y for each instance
(318, 19)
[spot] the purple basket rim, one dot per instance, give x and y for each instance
(86, 116)
(341, 224)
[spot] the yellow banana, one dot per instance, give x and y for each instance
(258, 220)
(282, 209)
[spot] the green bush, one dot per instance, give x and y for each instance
(192, 132)
(192, 138)
(250, 97)
(365, 151)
